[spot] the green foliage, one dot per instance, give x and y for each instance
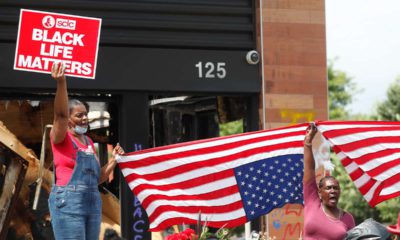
(390, 108)
(340, 92)
(361, 117)
(351, 199)
(389, 210)
(230, 128)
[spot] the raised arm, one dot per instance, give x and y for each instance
(309, 163)
(61, 112)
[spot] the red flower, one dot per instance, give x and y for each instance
(191, 235)
(187, 234)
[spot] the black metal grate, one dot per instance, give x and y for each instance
(195, 24)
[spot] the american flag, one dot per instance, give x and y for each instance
(230, 180)
(370, 153)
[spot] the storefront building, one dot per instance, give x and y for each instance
(176, 70)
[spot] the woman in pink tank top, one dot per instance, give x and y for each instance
(323, 219)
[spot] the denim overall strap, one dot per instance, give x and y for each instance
(76, 208)
(87, 168)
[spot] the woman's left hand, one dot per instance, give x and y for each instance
(118, 150)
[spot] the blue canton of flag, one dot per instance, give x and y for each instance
(270, 183)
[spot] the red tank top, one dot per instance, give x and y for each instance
(64, 155)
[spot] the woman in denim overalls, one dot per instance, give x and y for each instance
(74, 202)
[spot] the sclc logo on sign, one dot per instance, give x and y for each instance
(45, 38)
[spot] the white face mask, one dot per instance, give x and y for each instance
(80, 130)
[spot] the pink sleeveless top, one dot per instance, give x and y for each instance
(317, 225)
(64, 155)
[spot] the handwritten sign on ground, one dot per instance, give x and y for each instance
(45, 38)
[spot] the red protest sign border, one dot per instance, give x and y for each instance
(97, 38)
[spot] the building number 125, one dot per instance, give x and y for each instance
(211, 70)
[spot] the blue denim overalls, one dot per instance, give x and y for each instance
(75, 209)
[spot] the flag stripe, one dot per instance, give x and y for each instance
(205, 170)
(235, 158)
(206, 208)
(370, 153)
(211, 217)
(175, 182)
(199, 144)
(357, 131)
(181, 160)
(184, 184)
(197, 190)
(191, 155)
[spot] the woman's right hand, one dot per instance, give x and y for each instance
(58, 71)
(310, 133)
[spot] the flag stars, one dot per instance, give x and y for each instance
(270, 183)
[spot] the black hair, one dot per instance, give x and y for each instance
(72, 103)
(322, 180)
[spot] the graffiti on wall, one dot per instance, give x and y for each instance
(293, 116)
